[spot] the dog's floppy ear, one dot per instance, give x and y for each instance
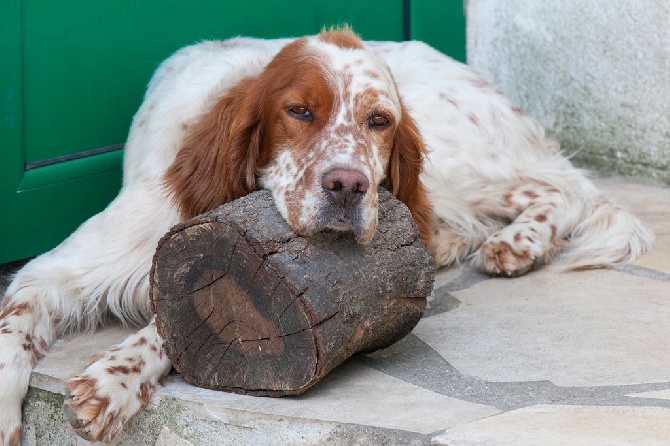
(217, 160)
(403, 174)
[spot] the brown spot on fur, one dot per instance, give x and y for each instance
(553, 190)
(517, 111)
(517, 237)
(541, 218)
(15, 436)
(473, 119)
(507, 198)
(445, 97)
(372, 74)
(144, 393)
(123, 385)
(480, 82)
(553, 231)
(40, 347)
(141, 341)
(118, 370)
(530, 194)
(95, 358)
(80, 385)
(14, 309)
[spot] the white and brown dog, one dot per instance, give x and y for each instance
(320, 121)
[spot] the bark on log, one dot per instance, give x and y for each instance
(245, 305)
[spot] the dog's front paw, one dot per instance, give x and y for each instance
(88, 410)
(102, 399)
(501, 259)
(511, 256)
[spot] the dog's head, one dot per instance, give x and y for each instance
(322, 127)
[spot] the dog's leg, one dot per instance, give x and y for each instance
(25, 335)
(103, 265)
(541, 216)
(115, 385)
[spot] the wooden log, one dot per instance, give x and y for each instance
(245, 305)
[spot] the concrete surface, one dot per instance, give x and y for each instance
(549, 358)
(594, 73)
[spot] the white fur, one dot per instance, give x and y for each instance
(480, 149)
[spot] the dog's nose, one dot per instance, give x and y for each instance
(345, 187)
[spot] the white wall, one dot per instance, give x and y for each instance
(595, 73)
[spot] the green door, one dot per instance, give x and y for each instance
(73, 73)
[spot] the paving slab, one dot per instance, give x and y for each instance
(565, 426)
(580, 329)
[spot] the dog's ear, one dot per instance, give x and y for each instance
(404, 170)
(217, 160)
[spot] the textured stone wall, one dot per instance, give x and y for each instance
(595, 73)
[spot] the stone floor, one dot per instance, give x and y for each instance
(549, 358)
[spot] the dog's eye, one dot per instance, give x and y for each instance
(300, 112)
(377, 120)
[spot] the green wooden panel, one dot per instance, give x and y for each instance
(440, 23)
(85, 64)
(41, 218)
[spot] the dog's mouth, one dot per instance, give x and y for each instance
(352, 220)
(315, 214)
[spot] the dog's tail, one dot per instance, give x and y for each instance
(609, 235)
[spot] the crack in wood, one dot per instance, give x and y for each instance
(191, 334)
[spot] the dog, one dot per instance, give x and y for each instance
(322, 122)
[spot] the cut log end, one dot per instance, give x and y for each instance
(245, 305)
